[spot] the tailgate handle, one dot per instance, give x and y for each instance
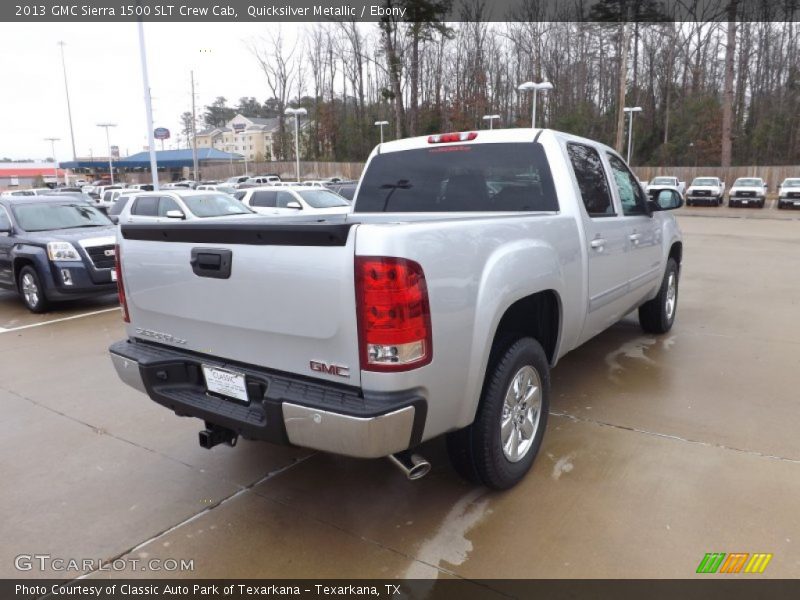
(210, 262)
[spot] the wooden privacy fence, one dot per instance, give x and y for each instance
(772, 175)
(352, 170)
(286, 170)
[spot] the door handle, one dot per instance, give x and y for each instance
(635, 238)
(211, 262)
(597, 243)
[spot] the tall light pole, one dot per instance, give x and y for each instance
(230, 154)
(530, 86)
(148, 109)
(630, 110)
(53, 148)
(381, 124)
(108, 145)
(296, 113)
(491, 119)
(244, 155)
(69, 108)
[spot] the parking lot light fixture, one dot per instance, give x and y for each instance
(53, 141)
(491, 119)
(296, 113)
(530, 86)
(108, 145)
(381, 124)
(631, 110)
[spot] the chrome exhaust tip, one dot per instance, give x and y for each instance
(413, 466)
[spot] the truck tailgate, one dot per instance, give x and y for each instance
(288, 302)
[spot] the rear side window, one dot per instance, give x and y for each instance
(145, 207)
(263, 199)
(591, 177)
(453, 178)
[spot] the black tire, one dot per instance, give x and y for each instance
(29, 277)
(688, 202)
(655, 315)
(476, 451)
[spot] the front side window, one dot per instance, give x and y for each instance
(166, 204)
(5, 222)
(630, 192)
(323, 199)
(283, 199)
(459, 177)
(146, 206)
(118, 206)
(214, 205)
(591, 176)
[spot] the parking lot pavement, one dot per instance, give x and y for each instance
(770, 211)
(659, 449)
(14, 315)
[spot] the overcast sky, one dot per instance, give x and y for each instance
(105, 80)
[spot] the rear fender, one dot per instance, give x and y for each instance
(513, 272)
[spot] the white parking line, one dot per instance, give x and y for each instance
(88, 314)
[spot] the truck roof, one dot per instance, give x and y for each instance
(484, 136)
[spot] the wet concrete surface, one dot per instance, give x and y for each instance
(659, 450)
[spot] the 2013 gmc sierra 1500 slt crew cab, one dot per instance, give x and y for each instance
(472, 262)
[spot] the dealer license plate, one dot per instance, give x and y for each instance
(797, 203)
(113, 275)
(226, 383)
(744, 201)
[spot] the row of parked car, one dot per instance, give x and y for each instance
(746, 191)
(60, 244)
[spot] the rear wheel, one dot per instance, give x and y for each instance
(658, 315)
(31, 290)
(498, 449)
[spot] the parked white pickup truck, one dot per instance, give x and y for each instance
(706, 190)
(748, 191)
(789, 193)
(472, 262)
(659, 183)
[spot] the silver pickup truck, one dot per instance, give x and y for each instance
(470, 264)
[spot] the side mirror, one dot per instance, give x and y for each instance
(294, 204)
(666, 200)
(175, 214)
(114, 219)
(7, 229)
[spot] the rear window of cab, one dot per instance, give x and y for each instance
(457, 177)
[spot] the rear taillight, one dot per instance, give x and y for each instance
(394, 322)
(445, 138)
(123, 302)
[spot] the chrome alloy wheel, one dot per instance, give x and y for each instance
(672, 296)
(30, 290)
(521, 413)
